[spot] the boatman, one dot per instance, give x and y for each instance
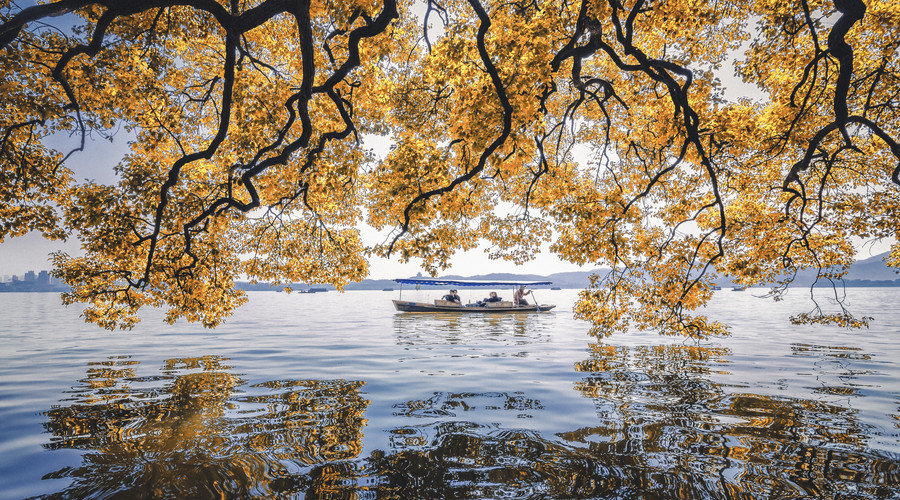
(453, 297)
(519, 296)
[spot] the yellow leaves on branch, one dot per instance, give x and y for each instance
(304, 251)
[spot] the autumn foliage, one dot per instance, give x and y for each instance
(600, 128)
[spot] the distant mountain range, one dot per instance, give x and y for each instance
(868, 272)
(873, 269)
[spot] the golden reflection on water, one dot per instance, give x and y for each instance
(664, 428)
(197, 435)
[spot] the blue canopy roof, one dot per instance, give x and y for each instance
(466, 283)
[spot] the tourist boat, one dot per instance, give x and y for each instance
(439, 305)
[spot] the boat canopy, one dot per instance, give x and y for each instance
(466, 283)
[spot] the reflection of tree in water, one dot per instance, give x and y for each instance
(453, 456)
(451, 404)
(113, 406)
(663, 430)
(835, 367)
(471, 461)
(667, 426)
(191, 437)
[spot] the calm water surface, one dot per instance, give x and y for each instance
(338, 396)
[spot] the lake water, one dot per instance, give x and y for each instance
(338, 396)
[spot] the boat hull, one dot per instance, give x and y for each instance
(409, 306)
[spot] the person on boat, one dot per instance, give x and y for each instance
(453, 297)
(492, 298)
(519, 296)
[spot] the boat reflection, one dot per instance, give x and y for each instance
(450, 328)
(664, 428)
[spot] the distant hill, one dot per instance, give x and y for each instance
(863, 273)
(873, 269)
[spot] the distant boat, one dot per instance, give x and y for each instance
(716, 287)
(739, 288)
(555, 288)
(444, 306)
(387, 289)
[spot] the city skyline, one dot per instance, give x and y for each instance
(31, 281)
(42, 276)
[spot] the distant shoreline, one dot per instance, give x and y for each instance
(868, 273)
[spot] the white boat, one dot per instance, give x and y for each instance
(444, 306)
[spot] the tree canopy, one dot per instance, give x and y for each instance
(601, 128)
